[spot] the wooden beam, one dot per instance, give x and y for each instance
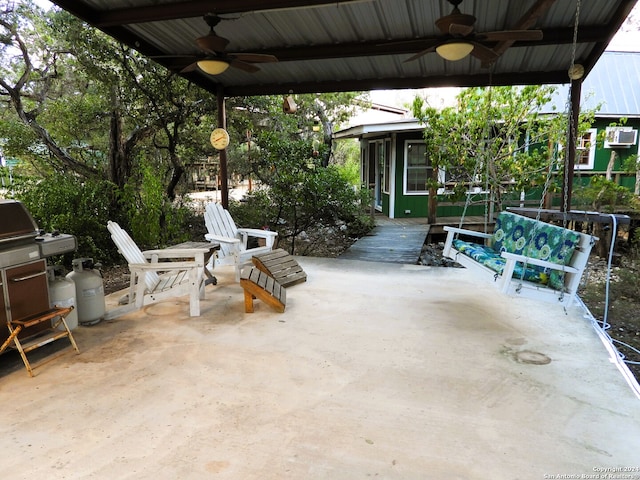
(222, 123)
(570, 161)
(478, 80)
(572, 215)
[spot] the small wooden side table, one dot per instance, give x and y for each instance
(212, 246)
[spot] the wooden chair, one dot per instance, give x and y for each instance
(233, 241)
(58, 328)
(157, 274)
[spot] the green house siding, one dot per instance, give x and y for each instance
(603, 154)
(415, 205)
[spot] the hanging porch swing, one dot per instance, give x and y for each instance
(524, 255)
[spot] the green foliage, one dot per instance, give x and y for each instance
(88, 109)
(299, 195)
(347, 158)
(82, 208)
(604, 195)
(495, 136)
(152, 220)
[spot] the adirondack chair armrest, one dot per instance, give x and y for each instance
(268, 235)
(451, 231)
(170, 253)
(258, 232)
(164, 266)
(218, 238)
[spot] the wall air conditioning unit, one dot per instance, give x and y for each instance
(620, 137)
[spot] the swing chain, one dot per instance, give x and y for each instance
(572, 132)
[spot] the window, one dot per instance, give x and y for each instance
(417, 167)
(586, 150)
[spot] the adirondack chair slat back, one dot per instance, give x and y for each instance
(130, 251)
(219, 222)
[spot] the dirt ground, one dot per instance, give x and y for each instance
(623, 320)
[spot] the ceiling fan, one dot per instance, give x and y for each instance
(459, 38)
(215, 59)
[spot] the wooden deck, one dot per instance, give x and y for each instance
(400, 240)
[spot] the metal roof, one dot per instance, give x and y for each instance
(404, 125)
(352, 45)
(612, 88)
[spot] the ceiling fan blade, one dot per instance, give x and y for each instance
(484, 54)
(458, 29)
(254, 57)
(511, 35)
(190, 68)
(420, 54)
(247, 67)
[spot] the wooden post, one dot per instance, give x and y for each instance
(567, 185)
(222, 123)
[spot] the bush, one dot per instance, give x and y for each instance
(64, 203)
(299, 195)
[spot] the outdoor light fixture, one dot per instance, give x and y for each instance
(213, 67)
(454, 51)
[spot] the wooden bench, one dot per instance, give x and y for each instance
(281, 266)
(525, 256)
(258, 284)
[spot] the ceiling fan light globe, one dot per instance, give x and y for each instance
(213, 67)
(454, 51)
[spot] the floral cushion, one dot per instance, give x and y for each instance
(491, 259)
(530, 238)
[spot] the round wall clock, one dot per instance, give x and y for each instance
(219, 138)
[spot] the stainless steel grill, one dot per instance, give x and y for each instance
(23, 252)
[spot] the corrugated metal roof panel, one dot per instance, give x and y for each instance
(319, 43)
(612, 87)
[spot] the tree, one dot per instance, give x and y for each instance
(96, 107)
(302, 190)
(495, 138)
(316, 118)
(77, 103)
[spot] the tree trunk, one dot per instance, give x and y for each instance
(178, 171)
(612, 161)
(432, 206)
(119, 162)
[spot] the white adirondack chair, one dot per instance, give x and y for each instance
(233, 240)
(153, 278)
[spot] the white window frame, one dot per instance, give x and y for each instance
(593, 133)
(405, 174)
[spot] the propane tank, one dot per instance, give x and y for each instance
(89, 291)
(62, 293)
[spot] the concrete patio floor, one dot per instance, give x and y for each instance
(373, 371)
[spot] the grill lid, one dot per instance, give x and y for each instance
(16, 222)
